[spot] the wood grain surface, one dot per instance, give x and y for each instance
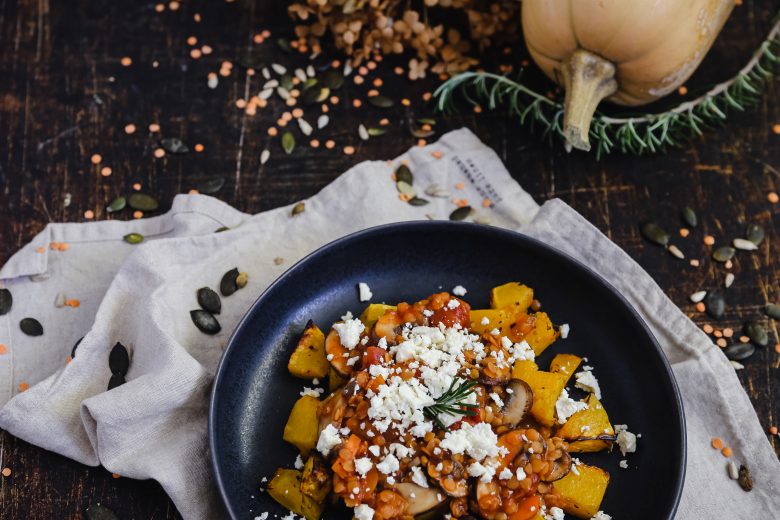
(65, 96)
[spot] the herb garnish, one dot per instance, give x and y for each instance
(452, 402)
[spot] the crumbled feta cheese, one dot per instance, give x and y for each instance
(601, 515)
(520, 474)
(484, 472)
(298, 462)
(495, 332)
(290, 516)
(375, 450)
(522, 352)
(400, 451)
(329, 439)
(459, 290)
(505, 474)
(564, 330)
(453, 303)
(427, 313)
(389, 465)
(351, 361)
(565, 406)
(555, 513)
(349, 332)
(329, 357)
(418, 477)
(363, 512)
(588, 382)
(625, 439)
(485, 320)
(506, 342)
(365, 292)
(262, 516)
(478, 441)
(497, 399)
(363, 465)
(624, 464)
(314, 392)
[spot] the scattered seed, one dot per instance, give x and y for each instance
(119, 359)
(59, 300)
(115, 381)
(773, 311)
(655, 234)
(362, 132)
(211, 185)
(288, 142)
(754, 233)
(118, 204)
(264, 156)
(209, 300)
(404, 174)
(417, 201)
(697, 296)
(283, 93)
(174, 146)
(284, 44)
(205, 321)
(436, 190)
(689, 217)
(744, 244)
(739, 351)
(73, 350)
(99, 512)
(717, 443)
(142, 202)
(736, 365)
(6, 301)
(405, 188)
(221, 229)
(773, 430)
(374, 132)
(745, 479)
(709, 240)
(242, 279)
(279, 69)
(133, 238)
(381, 101)
(675, 251)
(715, 304)
(757, 333)
(278, 260)
(227, 285)
(266, 93)
(298, 209)
(322, 121)
(723, 254)
(731, 468)
(301, 75)
(31, 327)
(333, 79)
(729, 280)
(306, 128)
(461, 213)
(684, 232)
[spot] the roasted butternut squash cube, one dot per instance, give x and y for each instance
(581, 492)
(285, 488)
(501, 319)
(543, 334)
(301, 427)
(588, 430)
(308, 359)
(512, 294)
(523, 367)
(372, 313)
(546, 388)
(565, 364)
(316, 482)
(335, 380)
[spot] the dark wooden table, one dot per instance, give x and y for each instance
(64, 96)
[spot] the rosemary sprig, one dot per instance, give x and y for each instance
(648, 132)
(452, 402)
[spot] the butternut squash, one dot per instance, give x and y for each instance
(631, 52)
(285, 488)
(565, 364)
(302, 426)
(546, 388)
(588, 430)
(581, 491)
(308, 359)
(373, 312)
(512, 294)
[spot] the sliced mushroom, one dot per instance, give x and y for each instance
(518, 402)
(331, 410)
(560, 468)
(420, 499)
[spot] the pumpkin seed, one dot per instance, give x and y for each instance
(278, 260)
(757, 333)
(732, 470)
(221, 229)
(333, 79)
(689, 217)
(698, 296)
(772, 310)
(283, 93)
(381, 101)
(264, 156)
(417, 201)
(99, 512)
(675, 251)
(310, 83)
(744, 244)
(373, 131)
(404, 174)
(209, 300)
(655, 234)
(461, 213)
(736, 365)
(419, 132)
(435, 190)
(59, 300)
(362, 132)
(174, 146)
(306, 128)
(310, 96)
(227, 285)
(284, 45)
(324, 93)
(6, 301)
(716, 304)
(426, 121)
(310, 71)
(119, 359)
(745, 478)
(405, 188)
(729, 280)
(288, 142)
(322, 121)
(142, 202)
(205, 321)
(40, 277)
(279, 69)
(242, 279)
(723, 254)
(266, 93)
(298, 209)
(211, 185)
(115, 381)
(73, 351)
(133, 238)
(118, 204)
(754, 233)
(739, 351)
(31, 327)
(301, 75)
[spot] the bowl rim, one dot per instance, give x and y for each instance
(415, 226)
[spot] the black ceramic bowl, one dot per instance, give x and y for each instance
(253, 392)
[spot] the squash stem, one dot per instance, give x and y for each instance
(588, 78)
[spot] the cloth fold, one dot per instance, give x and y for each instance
(154, 426)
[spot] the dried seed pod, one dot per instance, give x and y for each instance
(209, 300)
(119, 359)
(227, 285)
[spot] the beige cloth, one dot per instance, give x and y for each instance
(154, 426)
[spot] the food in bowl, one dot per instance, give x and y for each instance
(435, 409)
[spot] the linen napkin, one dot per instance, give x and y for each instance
(154, 426)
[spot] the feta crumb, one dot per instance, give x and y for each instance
(625, 439)
(262, 516)
(375, 450)
(364, 512)
(520, 474)
(495, 332)
(588, 382)
(365, 292)
(290, 516)
(389, 465)
(315, 381)
(601, 515)
(298, 462)
(351, 361)
(329, 357)
(555, 513)
(624, 464)
(453, 303)
(497, 399)
(478, 441)
(418, 477)
(459, 290)
(329, 439)
(566, 406)
(564, 330)
(349, 332)
(314, 392)
(484, 320)
(505, 474)
(427, 313)
(484, 472)
(363, 465)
